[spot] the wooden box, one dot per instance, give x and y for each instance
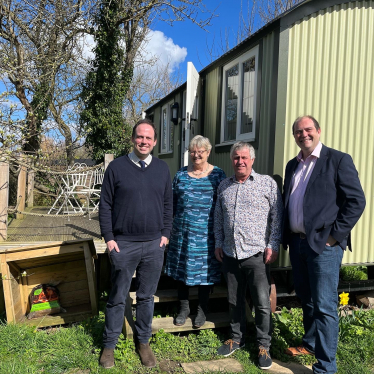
(68, 265)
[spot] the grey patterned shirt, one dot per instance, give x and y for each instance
(248, 216)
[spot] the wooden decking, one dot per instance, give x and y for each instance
(48, 228)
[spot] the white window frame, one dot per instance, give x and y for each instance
(240, 60)
(183, 129)
(169, 124)
(195, 112)
(195, 117)
(183, 108)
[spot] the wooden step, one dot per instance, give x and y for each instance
(214, 320)
(164, 296)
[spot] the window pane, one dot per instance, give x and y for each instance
(248, 96)
(164, 129)
(231, 104)
(171, 137)
(171, 127)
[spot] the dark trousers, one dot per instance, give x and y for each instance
(251, 272)
(316, 278)
(147, 259)
(203, 293)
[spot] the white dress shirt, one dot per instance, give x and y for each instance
(299, 182)
(135, 159)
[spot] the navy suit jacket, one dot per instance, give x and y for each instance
(333, 200)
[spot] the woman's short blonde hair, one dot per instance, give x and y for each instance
(199, 141)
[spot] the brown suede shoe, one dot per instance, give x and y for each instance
(146, 355)
(107, 358)
(297, 351)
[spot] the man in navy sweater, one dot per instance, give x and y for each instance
(135, 220)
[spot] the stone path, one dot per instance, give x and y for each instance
(233, 366)
(279, 367)
(226, 365)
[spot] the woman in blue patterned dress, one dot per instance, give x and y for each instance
(190, 259)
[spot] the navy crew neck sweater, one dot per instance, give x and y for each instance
(136, 204)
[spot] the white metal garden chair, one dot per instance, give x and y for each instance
(73, 188)
(93, 192)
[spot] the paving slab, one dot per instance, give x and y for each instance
(279, 367)
(226, 365)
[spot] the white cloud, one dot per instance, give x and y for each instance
(156, 54)
(161, 47)
(158, 50)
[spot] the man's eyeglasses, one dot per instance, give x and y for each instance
(199, 153)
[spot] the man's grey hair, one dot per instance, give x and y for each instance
(240, 145)
(199, 141)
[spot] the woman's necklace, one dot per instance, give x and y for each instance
(202, 172)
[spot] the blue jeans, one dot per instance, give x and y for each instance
(316, 279)
(147, 259)
(239, 274)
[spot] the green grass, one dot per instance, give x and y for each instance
(67, 349)
(355, 353)
(24, 350)
(353, 273)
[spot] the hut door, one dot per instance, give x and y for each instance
(190, 108)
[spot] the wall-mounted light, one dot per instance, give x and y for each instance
(174, 113)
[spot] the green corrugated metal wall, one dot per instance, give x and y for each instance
(331, 76)
(264, 153)
(173, 162)
(211, 117)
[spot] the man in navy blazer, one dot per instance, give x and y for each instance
(323, 201)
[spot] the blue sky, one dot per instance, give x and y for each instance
(197, 41)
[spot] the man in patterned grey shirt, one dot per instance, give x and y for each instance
(247, 230)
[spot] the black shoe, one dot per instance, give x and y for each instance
(229, 347)
(184, 311)
(264, 359)
(200, 318)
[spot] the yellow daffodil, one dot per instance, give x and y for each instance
(344, 298)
